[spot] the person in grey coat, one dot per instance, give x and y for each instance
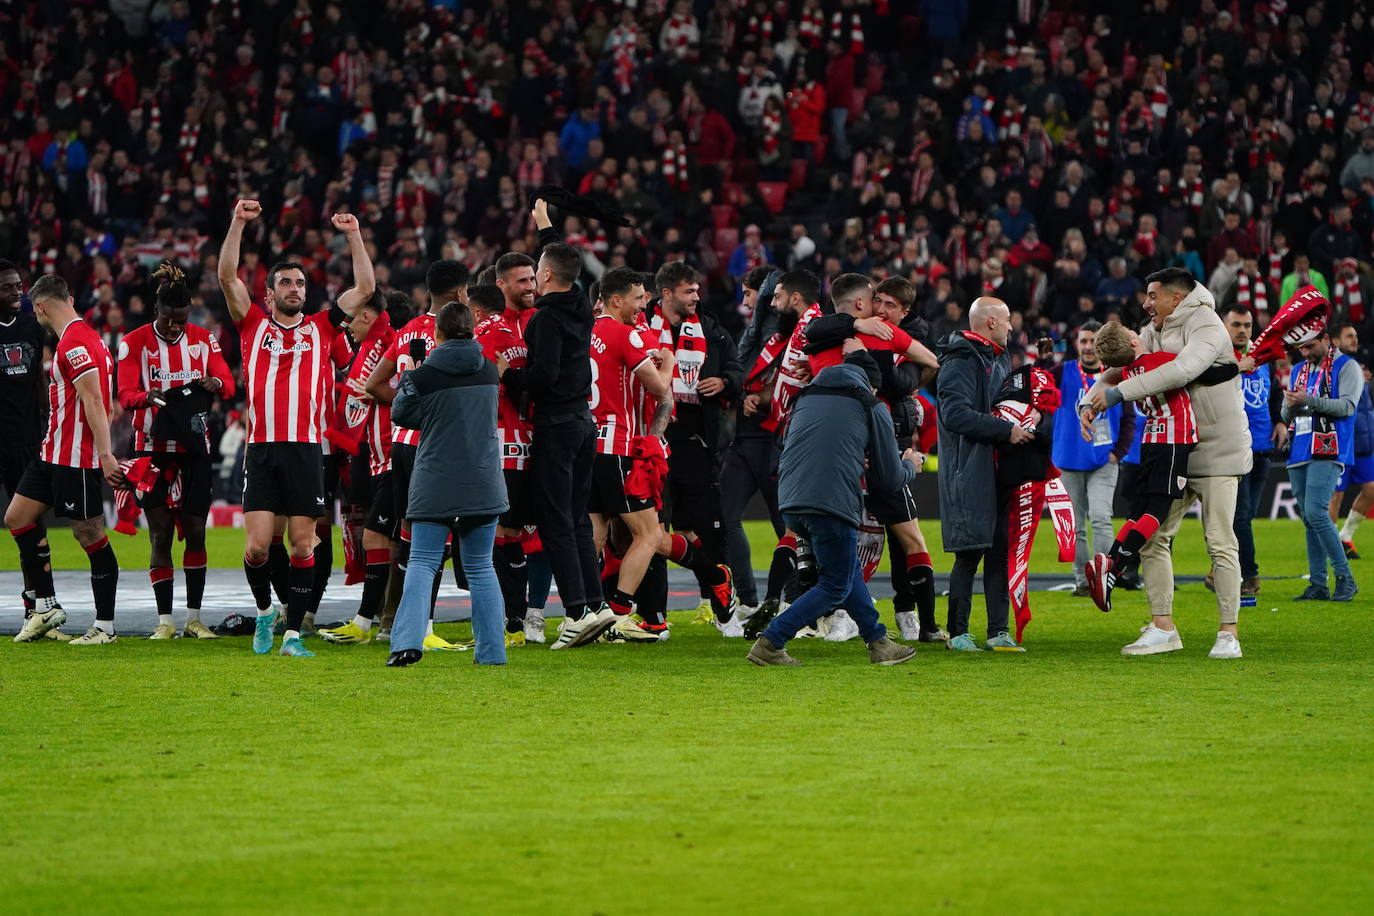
(973, 524)
(837, 426)
(457, 486)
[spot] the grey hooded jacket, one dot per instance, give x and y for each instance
(830, 434)
(451, 399)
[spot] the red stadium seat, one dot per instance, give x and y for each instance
(818, 153)
(731, 192)
(796, 179)
(723, 215)
(857, 99)
(873, 82)
(726, 241)
(774, 195)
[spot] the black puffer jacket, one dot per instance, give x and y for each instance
(971, 375)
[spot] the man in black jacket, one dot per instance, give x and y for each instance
(706, 378)
(556, 384)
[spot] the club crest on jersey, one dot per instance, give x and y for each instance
(355, 411)
(196, 350)
(79, 358)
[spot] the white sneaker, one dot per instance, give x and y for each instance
(40, 622)
(585, 630)
(745, 611)
(164, 631)
(383, 636)
(1227, 646)
(842, 628)
(534, 627)
(908, 626)
(93, 637)
(732, 628)
(1154, 641)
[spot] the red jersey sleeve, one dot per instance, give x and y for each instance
(217, 367)
(634, 348)
(254, 317)
(75, 360)
(129, 373)
(1147, 361)
(900, 341)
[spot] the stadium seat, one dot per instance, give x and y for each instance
(796, 179)
(731, 192)
(857, 99)
(774, 195)
(726, 241)
(873, 82)
(723, 214)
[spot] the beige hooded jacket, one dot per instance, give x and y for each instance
(1194, 333)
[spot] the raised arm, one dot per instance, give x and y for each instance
(235, 293)
(364, 282)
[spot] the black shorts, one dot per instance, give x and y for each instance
(1163, 470)
(691, 497)
(892, 507)
(402, 466)
(329, 473)
(360, 487)
(520, 495)
(382, 516)
(608, 496)
(195, 482)
(73, 493)
(14, 461)
(284, 478)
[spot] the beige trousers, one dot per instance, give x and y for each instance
(1218, 497)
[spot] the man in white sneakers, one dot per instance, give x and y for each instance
(1184, 321)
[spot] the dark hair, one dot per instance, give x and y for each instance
(484, 277)
(399, 307)
(1174, 278)
(594, 292)
(755, 278)
(846, 285)
(454, 321)
(6, 266)
(618, 280)
(1235, 307)
(674, 274)
(899, 288)
(1337, 329)
(563, 261)
(1092, 324)
(171, 288)
(375, 303)
(488, 299)
(511, 260)
(446, 277)
(49, 286)
(279, 267)
(803, 282)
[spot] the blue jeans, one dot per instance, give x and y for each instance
(488, 608)
(839, 144)
(1248, 496)
(1313, 484)
(836, 545)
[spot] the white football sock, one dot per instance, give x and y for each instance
(1352, 524)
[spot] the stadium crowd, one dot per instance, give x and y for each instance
(1050, 156)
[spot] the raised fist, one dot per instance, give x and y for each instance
(245, 211)
(345, 222)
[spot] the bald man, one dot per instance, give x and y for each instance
(973, 522)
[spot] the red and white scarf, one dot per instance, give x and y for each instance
(675, 167)
(1193, 191)
(96, 191)
(811, 25)
(1252, 292)
(956, 256)
(891, 225)
(855, 37)
(1346, 297)
(772, 131)
(1276, 256)
(690, 351)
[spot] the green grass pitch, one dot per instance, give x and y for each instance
(195, 776)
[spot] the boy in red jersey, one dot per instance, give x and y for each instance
(1169, 435)
(285, 355)
(76, 454)
(171, 353)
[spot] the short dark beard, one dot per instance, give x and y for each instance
(286, 309)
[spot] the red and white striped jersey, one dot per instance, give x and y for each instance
(287, 373)
(420, 328)
(791, 373)
(147, 362)
(499, 339)
(1168, 415)
(70, 441)
(617, 396)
